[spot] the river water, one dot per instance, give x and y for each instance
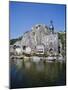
(27, 74)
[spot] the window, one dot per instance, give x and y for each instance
(51, 49)
(39, 25)
(36, 27)
(17, 46)
(24, 47)
(14, 47)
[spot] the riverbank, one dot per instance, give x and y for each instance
(38, 58)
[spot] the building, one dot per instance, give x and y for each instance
(41, 39)
(11, 50)
(40, 49)
(26, 50)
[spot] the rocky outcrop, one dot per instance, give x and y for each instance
(40, 35)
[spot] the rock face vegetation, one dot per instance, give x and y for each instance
(42, 39)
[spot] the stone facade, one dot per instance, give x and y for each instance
(41, 35)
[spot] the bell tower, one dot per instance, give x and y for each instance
(51, 27)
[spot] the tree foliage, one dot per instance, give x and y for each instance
(12, 41)
(62, 37)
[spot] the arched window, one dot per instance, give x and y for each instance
(59, 49)
(50, 49)
(14, 47)
(24, 47)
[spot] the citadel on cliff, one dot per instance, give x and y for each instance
(41, 39)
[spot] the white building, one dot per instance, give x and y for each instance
(26, 50)
(18, 50)
(40, 49)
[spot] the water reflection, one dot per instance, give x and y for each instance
(31, 74)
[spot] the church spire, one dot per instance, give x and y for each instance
(51, 27)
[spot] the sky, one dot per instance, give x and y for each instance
(23, 16)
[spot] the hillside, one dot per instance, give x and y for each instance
(12, 41)
(61, 36)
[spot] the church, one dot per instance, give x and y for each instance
(41, 39)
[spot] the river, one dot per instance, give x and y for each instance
(27, 74)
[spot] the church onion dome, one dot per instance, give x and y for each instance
(51, 27)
